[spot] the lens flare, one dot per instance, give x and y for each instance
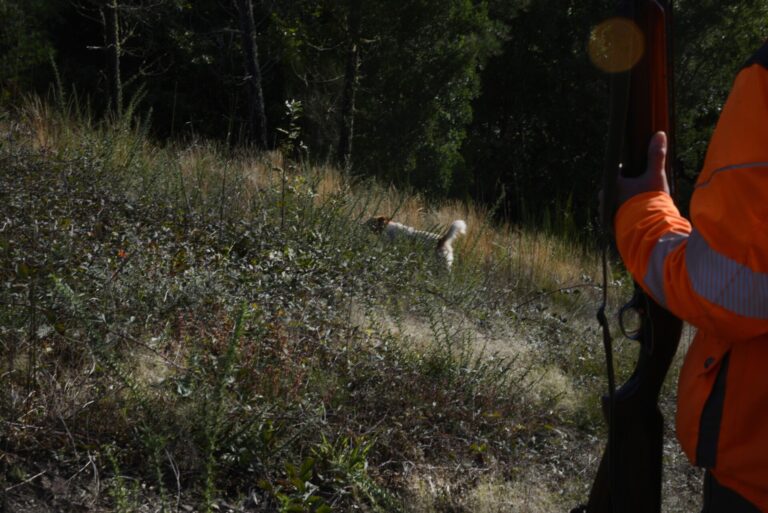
(616, 45)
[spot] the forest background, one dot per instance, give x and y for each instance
(192, 314)
(494, 102)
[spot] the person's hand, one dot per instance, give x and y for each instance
(654, 178)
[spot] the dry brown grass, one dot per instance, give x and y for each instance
(531, 255)
(522, 254)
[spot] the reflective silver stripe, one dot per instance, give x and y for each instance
(736, 167)
(654, 274)
(725, 282)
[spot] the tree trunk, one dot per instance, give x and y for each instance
(347, 117)
(257, 120)
(114, 51)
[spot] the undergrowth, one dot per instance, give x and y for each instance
(192, 327)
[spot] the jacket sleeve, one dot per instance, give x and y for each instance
(712, 272)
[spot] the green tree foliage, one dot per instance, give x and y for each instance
(306, 41)
(198, 86)
(24, 46)
(540, 122)
(489, 100)
(715, 38)
(537, 136)
(419, 62)
(420, 74)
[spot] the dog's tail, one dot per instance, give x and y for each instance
(458, 227)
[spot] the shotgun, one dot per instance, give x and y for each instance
(629, 476)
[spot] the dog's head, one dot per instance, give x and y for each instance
(378, 223)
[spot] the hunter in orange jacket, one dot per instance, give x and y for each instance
(713, 273)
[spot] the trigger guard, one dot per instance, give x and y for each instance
(629, 306)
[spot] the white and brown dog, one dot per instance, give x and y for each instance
(443, 245)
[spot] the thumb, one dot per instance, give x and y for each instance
(655, 176)
(657, 158)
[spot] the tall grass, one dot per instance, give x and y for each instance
(219, 326)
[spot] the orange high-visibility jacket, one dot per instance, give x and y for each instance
(713, 273)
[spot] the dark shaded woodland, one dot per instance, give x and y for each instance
(491, 101)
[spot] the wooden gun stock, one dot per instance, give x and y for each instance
(629, 477)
